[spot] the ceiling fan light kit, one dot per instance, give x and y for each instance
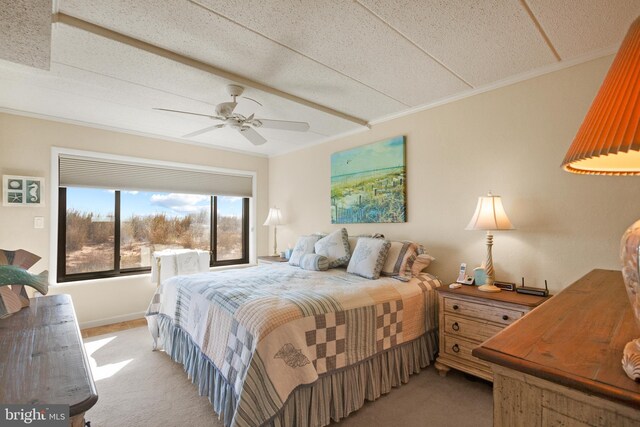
(245, 125)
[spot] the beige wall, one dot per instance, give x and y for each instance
(25, 149)
(510, 141)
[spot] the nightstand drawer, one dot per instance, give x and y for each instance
(481, 311)
(470, 329)
(461, 349)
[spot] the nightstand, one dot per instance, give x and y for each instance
(270, 259)
(468, 317)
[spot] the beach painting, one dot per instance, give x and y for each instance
(368, 183)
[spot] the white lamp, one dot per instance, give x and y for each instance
(274, 218)
(489, 215)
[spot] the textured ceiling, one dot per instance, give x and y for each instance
(369, 59)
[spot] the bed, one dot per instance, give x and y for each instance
(278, 345)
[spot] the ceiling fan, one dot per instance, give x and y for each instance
(244, 125)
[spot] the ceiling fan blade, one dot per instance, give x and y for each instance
(254, 137)
(284, 125)
(201, 131)
(251, 99)
(188, 112)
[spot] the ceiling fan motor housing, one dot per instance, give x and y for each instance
(225, 109)
(235, 90)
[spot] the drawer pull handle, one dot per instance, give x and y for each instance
(455, 326)
(455, 348)
(455, 306)
(505, 317)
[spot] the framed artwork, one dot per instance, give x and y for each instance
(22, 191)
(368, 183)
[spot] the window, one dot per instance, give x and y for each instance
(106, 233)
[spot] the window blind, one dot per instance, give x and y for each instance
(114, 175)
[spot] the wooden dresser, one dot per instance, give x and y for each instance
(560, 365)
(42, 358)
(468, 317)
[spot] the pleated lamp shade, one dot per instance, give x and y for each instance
(608, 142)
(490, 215)
(274, 217)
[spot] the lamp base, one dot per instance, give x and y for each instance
(489, 288)
(631, 359)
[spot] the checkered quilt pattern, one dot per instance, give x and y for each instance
(270, 329)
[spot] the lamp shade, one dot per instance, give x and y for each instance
(274, 217)
(490, 215)
(608, 142)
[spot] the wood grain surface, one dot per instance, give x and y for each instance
(576, 339)
(469, 316)
(42, 359)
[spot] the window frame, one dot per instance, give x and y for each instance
(63, 277)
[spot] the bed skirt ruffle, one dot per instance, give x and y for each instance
(332, 397)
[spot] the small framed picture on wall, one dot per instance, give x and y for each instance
(22, 191)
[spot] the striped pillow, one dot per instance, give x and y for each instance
(314, 262)
(398, 258)
(421, 262)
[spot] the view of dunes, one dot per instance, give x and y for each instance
(90, 238)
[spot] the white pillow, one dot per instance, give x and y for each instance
(335, 247)
(353, 240)
(368, 257)
(304, 245)
(314, 262)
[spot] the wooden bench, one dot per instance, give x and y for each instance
(42, 358)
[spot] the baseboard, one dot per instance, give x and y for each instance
(112, 320)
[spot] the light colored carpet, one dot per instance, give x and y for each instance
(139, 387)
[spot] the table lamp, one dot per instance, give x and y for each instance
(489, 216)
(608, 143)
(274, 218)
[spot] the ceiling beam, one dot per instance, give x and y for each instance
(541, 30)
(168, 54)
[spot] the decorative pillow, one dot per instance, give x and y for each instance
(368, 257)
(397, 258)
(314, 262)
(304, 245)
(335, 247)
(353, 240)
(412, 258)
(421, 262)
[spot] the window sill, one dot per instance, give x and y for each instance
(138, 277)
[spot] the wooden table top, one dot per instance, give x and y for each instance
(42, 360)
(575, 339)
(503, 296)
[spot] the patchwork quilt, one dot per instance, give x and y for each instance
(272, 328)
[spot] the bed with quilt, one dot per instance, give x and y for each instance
(283, 345)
